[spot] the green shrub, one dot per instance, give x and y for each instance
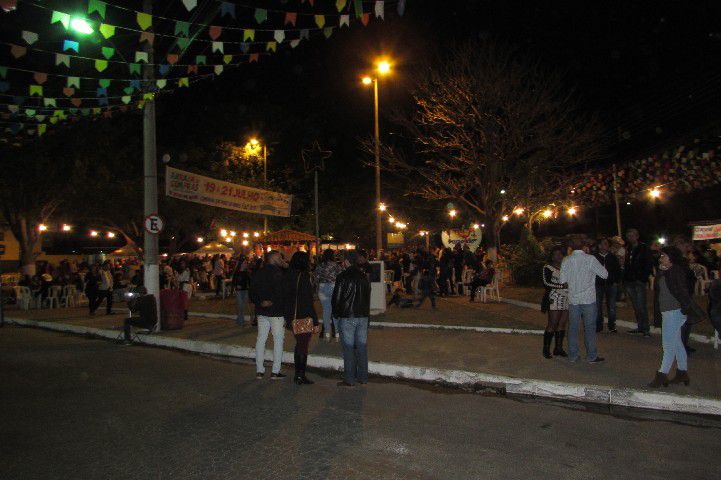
(525, 259)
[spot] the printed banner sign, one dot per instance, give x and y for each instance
(395, 239)
(217, 193)
(470, 237)
(707, 232)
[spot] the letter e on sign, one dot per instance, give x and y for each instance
(153, 224)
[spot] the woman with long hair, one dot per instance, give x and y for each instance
(555, 302)
(673, 304)
(325, 274)
(300, 313)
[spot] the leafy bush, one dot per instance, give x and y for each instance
(525, 259)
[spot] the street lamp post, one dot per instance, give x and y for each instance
(265, 184)
(382, 68)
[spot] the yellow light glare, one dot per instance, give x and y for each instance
(66, 227)
(224, 233)
(245, 243)
(93, 233)
(245, 235)
(367, 80)
(572, 211)
(200, 239)
(111, 235)
(228, 239)
(256, 234)
(384, 67)
(232, 233)
(382, 207)
(254, 141)
(519, 211)
(391, 220)
(452, 213)
(655, 192)
(42, 228)
(505, 218)
(547, 213)
(476, 226)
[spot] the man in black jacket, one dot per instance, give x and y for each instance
(351, 306)
(608, 287)
(266, 292)
(639, 266)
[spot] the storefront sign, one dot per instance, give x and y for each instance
(707, 232)
(217, 193)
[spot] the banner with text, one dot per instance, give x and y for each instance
(217, 193)
(707, 232)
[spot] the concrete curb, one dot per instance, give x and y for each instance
(429, 326)
(597, 394)
(621, 323)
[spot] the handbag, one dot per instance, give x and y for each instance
(300, 325)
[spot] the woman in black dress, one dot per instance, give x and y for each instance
(299, 290)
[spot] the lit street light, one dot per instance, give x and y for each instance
(252, 149)
(383, 67)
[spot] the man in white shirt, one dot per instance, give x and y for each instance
(579, 271)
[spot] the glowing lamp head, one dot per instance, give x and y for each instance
(655, 193)
(245, 243)
(518, 211)
(382, 207)
(42, 228)
(505, 218)
(224, 233)
(80, 25)
(503, 192)
(199, 240)
(476, 226)
(256, 234)
(383, 67)
(93, 233)
(391, 220)
(662, 240)
(228, 239)
(572, 211)
(111, 235)
(232, 233)
(66, 227)
(367, 80)
(254, 142)
(547, 213)
(245, 235)
(452, 213)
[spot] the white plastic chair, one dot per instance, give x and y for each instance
(53, 297)
(23, 297)
(69, 297)
(490, 290)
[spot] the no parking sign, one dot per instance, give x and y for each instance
(153, 223)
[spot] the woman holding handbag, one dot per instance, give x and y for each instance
(300, 313)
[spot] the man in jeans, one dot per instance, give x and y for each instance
(607, 288)
(579, 270)
(639, 266)
(266, 292)
(351, 306)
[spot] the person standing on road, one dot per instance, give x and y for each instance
(299, 309)
(555, 302)
(607, 288)
(325, 275)
(106, 289)
(639, 266)
(675, 306)
(241, 280)
(219, 274)
(266, 292)
(579, 271)
(351, 306)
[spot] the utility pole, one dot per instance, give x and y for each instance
(616, 199)
(150, 169)
(314, 160)
(265, 183)
(379, 219)
(317, 222)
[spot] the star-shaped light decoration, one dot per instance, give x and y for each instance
(314, 157)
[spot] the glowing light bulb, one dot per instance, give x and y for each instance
(42, 227)
(505, 218)
(367, 80)
(453, 213)
(655, 193)
(382, 207)
(224, 233)
(547, 213)
(111, 235)
(519, 211)
(199, 240)
(572, 211)
(476, 226)
(245, 243)
(93, 233)
(66, 227)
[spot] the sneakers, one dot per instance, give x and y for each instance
(277, 376)
(337, 338)
(597, 360)
(326, 337)
(612, 330)
(259, 376)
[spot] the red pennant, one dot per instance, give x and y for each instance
(214, 31)
(253, 57)
(76, 101)
(290, 17)
(365, 18)
(193, 69)
(40, 77)
(68, 91)
(172, 58)
(18, 51)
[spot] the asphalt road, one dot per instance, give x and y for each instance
(77, 408)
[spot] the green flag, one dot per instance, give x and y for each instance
(107, 30)
(108, 52)
(36, 90)
(134, 68)
(61, 17)
(97, 6)
(182, 28)
(101, 64)
(145, 20)
(104, 82)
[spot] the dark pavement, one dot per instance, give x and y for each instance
(76, 408)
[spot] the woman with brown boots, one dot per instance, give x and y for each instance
(300, 313)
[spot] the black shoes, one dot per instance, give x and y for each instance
(612, 329)
(558, 350)
(597, 360)
(547, 337)
(344, 384)
(277, 376)
(635, 331)
(681, 377)
(659, 379)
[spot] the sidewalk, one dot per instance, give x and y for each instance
(511, 363)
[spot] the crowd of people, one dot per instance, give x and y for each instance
(593, 276)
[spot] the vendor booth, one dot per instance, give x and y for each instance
(287, 242)
(214, 248)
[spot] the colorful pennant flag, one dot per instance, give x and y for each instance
(107, 30)
(218, 69)
(218, 47)
(36, 90)
(97, 6)
(190, 4)
(8, 5)
(164, 69)
(161, 83)
(358, 5)
(125, 99)
(253, 57)
(147, 37)
(104, 82)
(61, 17)
(227, 8)
(29, 37)
(344, 20)
(18, 51)
(49, 102)
(183, 43)
(261, 15)
(40, 77)
(68, 92)
(134, 68)
(107, 52)
(380, 9)
(74, 82)
(279, 36)
(183, 82)
(3, 72)
(290, 17)
(401, 7)
(41, 129)
(365, 18)
(141, 57)
(340, 4)
(214, 31)
(193, 69)
(182, 28)
(327, 32)
(320, 20)
(271, 47)
(248, 35)
(145, 20)
(71, 45)
(227, 59)
(201, 59)
(172, 58)
(62, 59)
(294, 43)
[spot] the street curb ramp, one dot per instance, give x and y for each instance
(596, 394)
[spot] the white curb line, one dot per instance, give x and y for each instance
(621, 323)
(430, 326)
(598, 394)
